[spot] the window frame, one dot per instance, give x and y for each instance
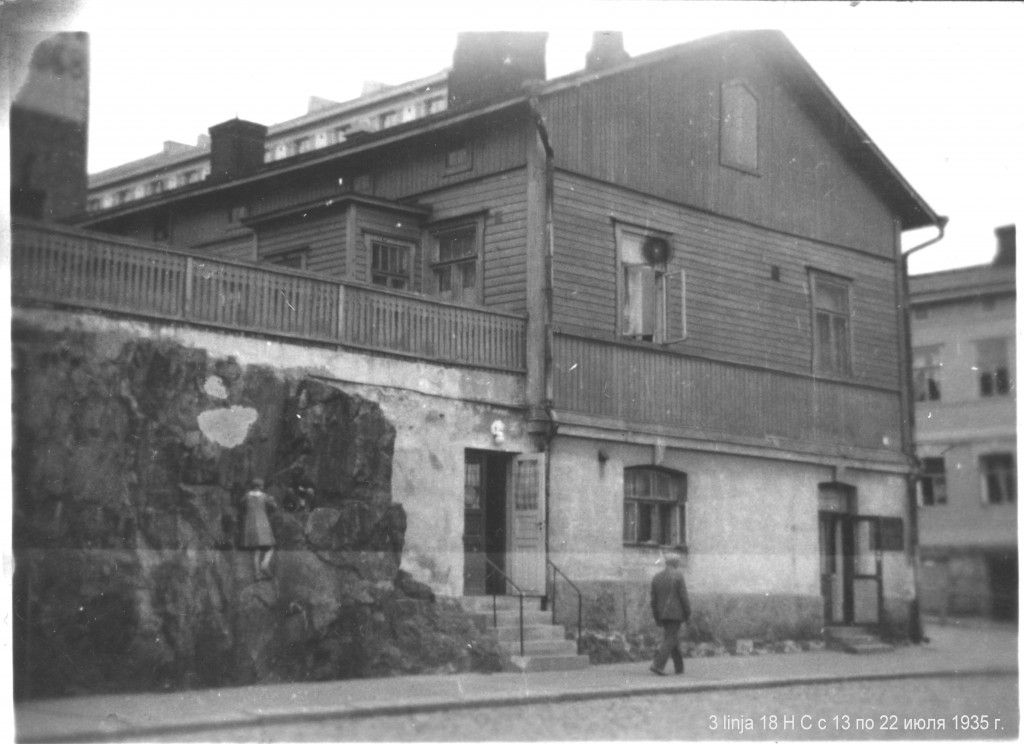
(993, 380)
(435, 265)
(661, 279)
(632, 504)
(726, 156)
(839, 368)
(458, 159)
(929, 386)
(372, 240)
(1007, 478)
(931, 484)
(280, 258)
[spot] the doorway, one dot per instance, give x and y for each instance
(850, 557)
(1002, 574)
(504, 533)
(484, 532)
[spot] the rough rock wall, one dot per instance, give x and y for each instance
(132, 458)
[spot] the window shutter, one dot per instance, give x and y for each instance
(673, 309)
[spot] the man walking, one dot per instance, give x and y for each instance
(671, 608)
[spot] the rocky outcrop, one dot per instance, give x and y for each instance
(131, 461)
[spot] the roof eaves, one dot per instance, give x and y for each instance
(367, 143)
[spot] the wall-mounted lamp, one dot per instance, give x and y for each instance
(498, 432)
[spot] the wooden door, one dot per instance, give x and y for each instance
(527, 526)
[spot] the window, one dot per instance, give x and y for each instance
(999, 478)
(339, 132)
(436, 105)
(388, 119)
(122, 196)
(303, 144)
(455, 266)
(654, 507)
(927, 373)
(738, 124)
(390, 264)
(931, 486)
(292, 259)
(281, 151)
(652, 298)
(154, 187)
(458, 160)
(237, 213)
(993, 367)
(830, 299)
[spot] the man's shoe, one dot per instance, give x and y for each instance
(659, 672)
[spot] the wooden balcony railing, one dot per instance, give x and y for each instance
(628, 383)
(80, 269)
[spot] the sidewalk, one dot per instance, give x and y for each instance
(953, 650)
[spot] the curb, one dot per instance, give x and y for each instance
(136, 733)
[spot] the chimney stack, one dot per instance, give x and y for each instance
(236, 149)
(488, 66)
(1006, 246)
(607, 51)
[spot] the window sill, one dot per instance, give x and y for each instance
(684, 549)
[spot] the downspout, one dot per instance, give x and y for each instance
(909, 446)
(547, 431)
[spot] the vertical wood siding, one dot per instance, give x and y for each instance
(735, 310)
(656, 129)
(625, 382)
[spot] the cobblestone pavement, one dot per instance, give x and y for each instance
(982, 708)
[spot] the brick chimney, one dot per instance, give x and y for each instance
(488, 66)
(606, 51)
(1006, 246)
(236, 148)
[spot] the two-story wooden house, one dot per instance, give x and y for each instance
(653, 305)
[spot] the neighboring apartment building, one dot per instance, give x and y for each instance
(965, 380)
(650, 306)
(325, 123)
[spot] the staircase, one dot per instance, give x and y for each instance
(545, 648)
(856, 640)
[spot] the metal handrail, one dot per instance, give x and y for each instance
(579, 601)
(494, 605)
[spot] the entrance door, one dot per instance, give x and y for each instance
(526, 549)
(851, 568)
(483, 536)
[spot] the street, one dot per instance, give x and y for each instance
(971, 707)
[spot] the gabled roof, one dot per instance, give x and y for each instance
(914, 212)
(821, 103)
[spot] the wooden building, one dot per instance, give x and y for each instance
(652, 305)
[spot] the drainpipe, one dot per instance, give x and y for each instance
(542, 418)
(909, 446)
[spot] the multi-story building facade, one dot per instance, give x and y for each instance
(651, 306)
(965, 377)
(325, 123)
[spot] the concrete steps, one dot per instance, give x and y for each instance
(856, 640)
(545, 647)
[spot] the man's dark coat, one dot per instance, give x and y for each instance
(669, 600)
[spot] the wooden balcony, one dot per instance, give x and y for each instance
(98, 272)
(653, 389)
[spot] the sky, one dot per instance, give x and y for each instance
(935, 84)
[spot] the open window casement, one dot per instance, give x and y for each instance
(653, 304)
